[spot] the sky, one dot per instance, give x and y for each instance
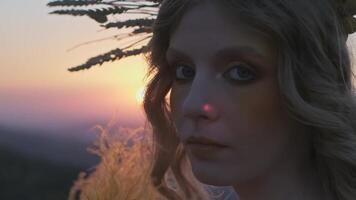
(36, 90)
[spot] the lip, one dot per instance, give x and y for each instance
(203, 141)
(205, 151)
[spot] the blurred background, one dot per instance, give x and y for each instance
(46, 112)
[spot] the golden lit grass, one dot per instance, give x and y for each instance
(122, 172)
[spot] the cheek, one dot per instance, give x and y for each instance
(261, 129)
(259, 112)
(176, 100)
(264, 103)
(260, 134)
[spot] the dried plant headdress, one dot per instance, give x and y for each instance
(103, 12)
(346, 10)
(142, 26)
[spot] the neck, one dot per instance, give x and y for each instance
(286, 180)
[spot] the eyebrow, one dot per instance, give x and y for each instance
(226, 53)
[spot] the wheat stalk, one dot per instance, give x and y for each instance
(94, 10)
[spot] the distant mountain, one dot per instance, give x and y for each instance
(52, 145)
(42, 164)
(26, 178)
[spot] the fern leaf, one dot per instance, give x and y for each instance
(74, 3)
(130, 23)
(70, 12)
(99, 15)
(112, 55)
(142, 30)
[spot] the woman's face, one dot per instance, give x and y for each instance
(227, 90)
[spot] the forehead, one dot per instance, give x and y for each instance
(204, 30)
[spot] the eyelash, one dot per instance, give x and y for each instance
(225, 74)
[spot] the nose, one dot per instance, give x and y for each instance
(198, 104)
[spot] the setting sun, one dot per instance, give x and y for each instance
(140, 94)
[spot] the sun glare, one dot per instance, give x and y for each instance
(140, 94)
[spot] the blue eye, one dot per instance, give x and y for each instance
(241, 73)
(183, 71)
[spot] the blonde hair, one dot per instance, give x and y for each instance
(314, 76)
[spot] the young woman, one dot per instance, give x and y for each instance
(268, 83)
(270, 80)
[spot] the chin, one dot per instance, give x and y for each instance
(211, 180)
(210, 175)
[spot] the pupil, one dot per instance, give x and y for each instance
(244, 72)
(188, 72)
